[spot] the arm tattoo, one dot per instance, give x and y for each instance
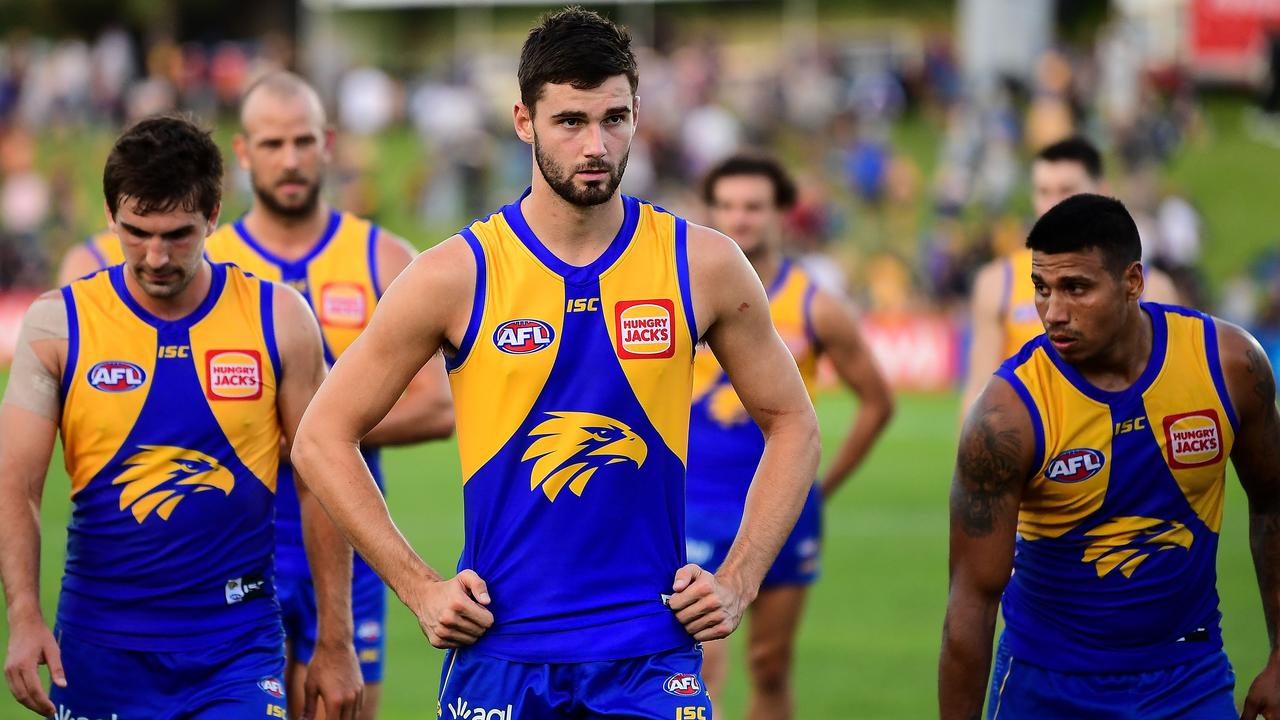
(986, 472)
(1264, 384)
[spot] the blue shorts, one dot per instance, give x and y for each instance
(709, 536)
(664, 686)
(239, 680)
(1198, 690)
(368, 604)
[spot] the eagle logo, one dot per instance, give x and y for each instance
(157, 478)
(1125, 542)
(569, 447)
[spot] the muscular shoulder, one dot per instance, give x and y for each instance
(393, 254)
(997, 436)
(711, 251)
(1246, 369)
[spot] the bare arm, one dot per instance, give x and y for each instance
(1256, 457)
(77, 263)
(732, 306)
(28, 428)
(987, 340)
(841, 340)
(426, 307)
(425, 411)
(992, 466)
(334, 671)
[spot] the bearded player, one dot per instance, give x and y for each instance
(173, 382)
(569, 319)
(746, 197)
(1087, 499)
(341, 264)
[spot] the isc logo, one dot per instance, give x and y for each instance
(523, 336)
(582, 305)
(683, 685)
(1074, 465)
(169, 352)
(116, 376)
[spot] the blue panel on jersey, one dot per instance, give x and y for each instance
(634, 499)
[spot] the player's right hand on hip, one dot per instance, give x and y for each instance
(708, 608)
(31, 644)
(452, 612)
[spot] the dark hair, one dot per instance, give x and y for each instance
(164, 163)
(1089, 221)
(1074, 149)
(784, 189)
(578, 47)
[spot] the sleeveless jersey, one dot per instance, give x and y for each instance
(571, 390)
(725, 444)
(1118, 529)
(1018, 315)
(105, 248)
(338, 278)
(171, 441)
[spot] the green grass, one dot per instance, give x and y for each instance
(868, 646)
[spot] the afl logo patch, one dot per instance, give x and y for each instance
(683, 685)
(272, 687)
(1193, 439)
(343, 305)
(1075, 465)
(645, 329)
(523, 336)
(233, 375)
(116, 376)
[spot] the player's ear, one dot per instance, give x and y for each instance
(240, 145)
(330, 141)
(213, 220)
(111, 221)
(635, 112)
(522, 118)
(1134, 280)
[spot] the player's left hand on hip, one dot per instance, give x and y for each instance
(1264, 695)
(708, 608)
(334, 683)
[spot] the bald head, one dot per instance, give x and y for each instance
(267, 94)
(284, 144)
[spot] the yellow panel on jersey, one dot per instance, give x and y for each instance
(105, 248)
(1118, 529)
(728, 444)
(571, 390)
(171, 439)
(338, 276)
(1018, 313)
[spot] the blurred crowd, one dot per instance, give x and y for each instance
(910, 176)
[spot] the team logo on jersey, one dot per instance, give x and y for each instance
(343, 304)
(158, 477)
(233, 374)
(272, 686)
(1193, 439)
(645, 329)
(116, 376)
(1075, 465)
(1126, 542)
(369, 631)
(682, 684)
(569, 447)
(523, 336)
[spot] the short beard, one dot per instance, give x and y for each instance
(561, 180)
(301, 211)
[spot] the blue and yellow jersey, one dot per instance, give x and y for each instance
(1018, 315)
(571, 391)
(105, 248)
(1118, 528)
(171, 440)
(339, 279)
(725, 444)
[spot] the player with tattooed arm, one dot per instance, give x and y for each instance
(1087, 498)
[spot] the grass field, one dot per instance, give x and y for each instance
(868, 647)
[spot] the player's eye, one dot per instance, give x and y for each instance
(571, 122)
(613, 120)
